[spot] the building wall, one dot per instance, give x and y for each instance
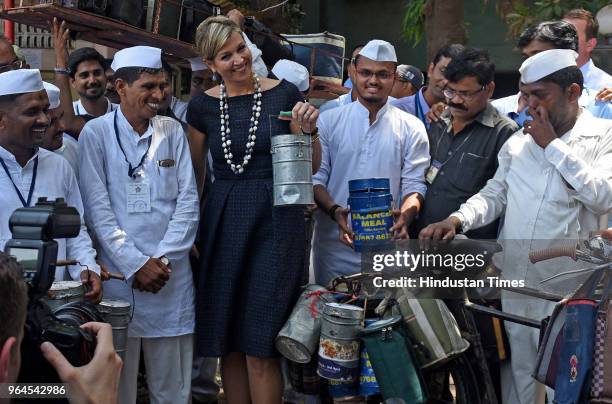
(362, 20)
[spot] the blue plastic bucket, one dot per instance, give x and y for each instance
(371, 215)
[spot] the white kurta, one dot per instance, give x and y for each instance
(395, 146)
(548, 195)
(127, 240)
(70, 151)
(54, 179)
(595, 78)
(79, 109)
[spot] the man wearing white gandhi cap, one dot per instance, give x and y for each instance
(554, 182)
(55, 139)
(139, 190)
(368, 138)
(29, 172)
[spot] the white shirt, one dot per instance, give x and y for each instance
(54, 179)
(70, 151)
(344, 99)
(79, 109)
(595, 78)
(127, 240)
(531, 185)
(395, 146)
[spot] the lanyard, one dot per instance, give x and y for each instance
(32, 184)
(419, 110)
(454, 151)
(131, 170)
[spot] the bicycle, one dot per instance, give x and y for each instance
(468, 377)
(595, 250)
(468, 373)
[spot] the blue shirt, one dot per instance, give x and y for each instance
(409, 104)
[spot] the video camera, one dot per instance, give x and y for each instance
(34, 230)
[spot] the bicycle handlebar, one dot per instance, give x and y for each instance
(553, 252)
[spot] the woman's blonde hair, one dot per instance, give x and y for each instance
(212, 34)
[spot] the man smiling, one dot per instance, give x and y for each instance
(55, 139)
(86, 67)
(142, 204)
(28, 172)
(367, 138)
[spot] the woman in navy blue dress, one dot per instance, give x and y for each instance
(253, 254)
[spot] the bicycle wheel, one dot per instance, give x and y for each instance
(453, 383)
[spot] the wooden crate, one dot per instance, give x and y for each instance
(97, 29)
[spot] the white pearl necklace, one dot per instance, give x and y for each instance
(226, 142)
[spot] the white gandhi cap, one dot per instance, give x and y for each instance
(547, 62)
(292, 72)
(197, 64)
(20, 82)
(138, 56)
(379, 51)
(53, 93)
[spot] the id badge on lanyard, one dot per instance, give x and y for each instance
(433, 171)
(138, 197)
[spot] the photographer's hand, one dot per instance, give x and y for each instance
(96, 382)
(93, 285)
(152, 276)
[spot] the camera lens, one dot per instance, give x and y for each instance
(78, 313)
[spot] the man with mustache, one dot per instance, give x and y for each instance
(368, 138)
(28, 172)
(55, 139)
(84, 71)
(465, 141)
(464, 144)
(87, 76)
(142, 204)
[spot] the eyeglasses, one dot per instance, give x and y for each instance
(465, 95)
(381, 75)
(14, 65)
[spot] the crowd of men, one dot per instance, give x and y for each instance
(535, 165)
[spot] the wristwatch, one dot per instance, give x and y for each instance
(164, 260)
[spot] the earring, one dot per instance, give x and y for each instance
(215, 77)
